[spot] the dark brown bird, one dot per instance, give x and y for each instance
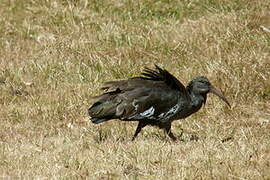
(155, 98)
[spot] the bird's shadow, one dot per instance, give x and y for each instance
(104, 136)
(184, 138)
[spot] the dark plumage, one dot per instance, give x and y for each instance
(156, 98)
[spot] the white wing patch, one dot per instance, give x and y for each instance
(135, 105)
(173, 110)
(149, 112)
(169, 113)
(161, 115)
(146, 114)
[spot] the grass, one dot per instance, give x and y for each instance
(56, 54)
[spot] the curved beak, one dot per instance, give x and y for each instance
(219, 94)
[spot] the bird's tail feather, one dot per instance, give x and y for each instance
(102, 111)
(98, 120)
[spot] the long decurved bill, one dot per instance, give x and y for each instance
(219, 94)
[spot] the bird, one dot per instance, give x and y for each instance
(155, 98)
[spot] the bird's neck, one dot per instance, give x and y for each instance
(191, 106)
(197, 101)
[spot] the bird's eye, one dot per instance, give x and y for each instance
(204, 82)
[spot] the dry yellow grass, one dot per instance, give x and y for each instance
(55, 55)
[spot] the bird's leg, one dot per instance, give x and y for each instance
(139, 128)
(169, 132)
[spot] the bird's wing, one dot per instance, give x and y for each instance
(158, 104)
(149, 77)
(147, 103)
(159, 74)
(154, 95)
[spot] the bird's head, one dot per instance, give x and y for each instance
(202, 86)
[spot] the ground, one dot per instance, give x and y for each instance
(56, 54)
